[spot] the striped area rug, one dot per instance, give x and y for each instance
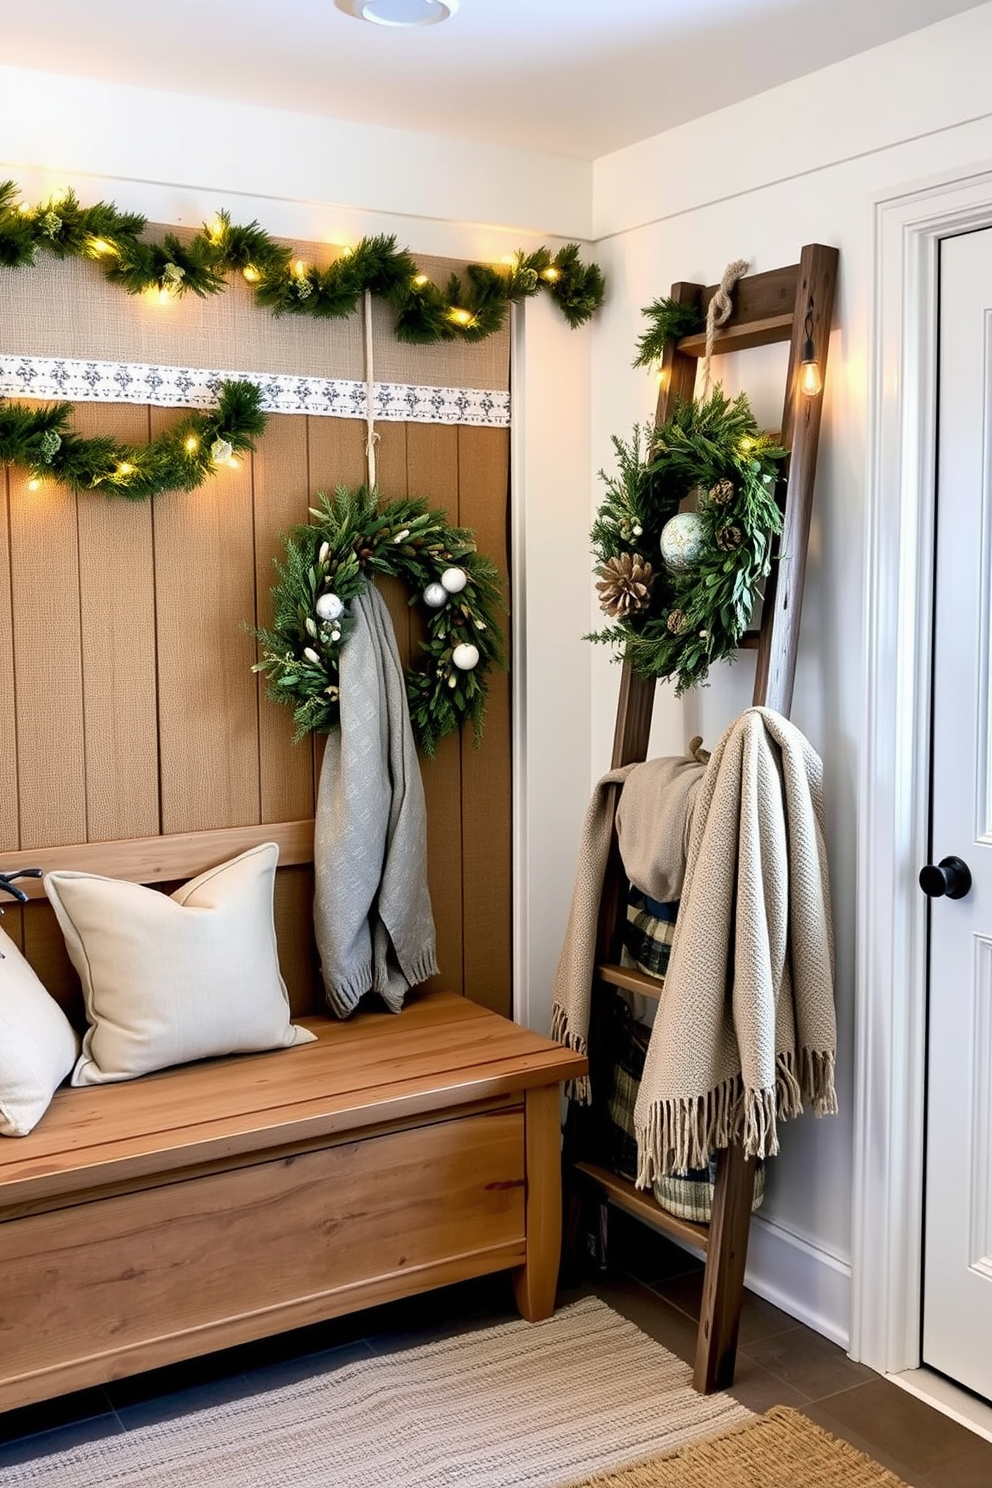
(517, 1405)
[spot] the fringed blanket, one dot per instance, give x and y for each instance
(652, 822)
(745, 1032)
(372, 912)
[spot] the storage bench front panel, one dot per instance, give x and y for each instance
(224, 1253)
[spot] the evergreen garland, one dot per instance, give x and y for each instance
(326, 564)
(670, 319)
(467, 310)
(675, 625)
(42, 441)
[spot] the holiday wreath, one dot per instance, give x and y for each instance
(673, 618)
(328, 563)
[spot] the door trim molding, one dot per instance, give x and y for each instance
(893, 788)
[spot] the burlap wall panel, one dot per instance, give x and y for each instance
(68, 309)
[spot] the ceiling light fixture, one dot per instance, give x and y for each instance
(404, 13)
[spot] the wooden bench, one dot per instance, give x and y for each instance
(147, 1222)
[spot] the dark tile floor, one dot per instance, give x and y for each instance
(652, 1282)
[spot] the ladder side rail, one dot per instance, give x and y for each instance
(778, 644)
(726, 1257)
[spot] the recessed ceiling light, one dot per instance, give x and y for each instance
(399, 12)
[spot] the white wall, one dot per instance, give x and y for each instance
(803, 163)
(179, 159)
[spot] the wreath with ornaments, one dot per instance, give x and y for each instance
(683, 538)
(329, 562)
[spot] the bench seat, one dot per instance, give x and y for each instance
(148, 1221)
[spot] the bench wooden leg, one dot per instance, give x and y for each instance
(723, 1283)
(536, 1281)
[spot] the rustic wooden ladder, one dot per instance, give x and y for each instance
(793, 304)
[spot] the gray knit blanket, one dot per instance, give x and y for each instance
(372, 912)
(745, 1033)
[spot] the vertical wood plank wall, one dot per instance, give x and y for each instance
(128, 707)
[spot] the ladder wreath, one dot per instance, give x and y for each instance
(673, 618)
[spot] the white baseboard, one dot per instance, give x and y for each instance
(806, 1282)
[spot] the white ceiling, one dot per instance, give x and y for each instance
(575, 77)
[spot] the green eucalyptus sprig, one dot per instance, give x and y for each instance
(467, 310)
(328, 563)
(43, 441)
(671, 624)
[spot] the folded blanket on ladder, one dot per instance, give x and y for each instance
(372, 912)
(745, 1031)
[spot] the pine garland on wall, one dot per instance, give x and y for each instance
(468, 309)
(43, 441)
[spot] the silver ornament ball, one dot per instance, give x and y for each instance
(465, 656)
(435, 595)
(454, 580)
(682, 541)
(329, 607)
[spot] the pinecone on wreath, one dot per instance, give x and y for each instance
(625, 585)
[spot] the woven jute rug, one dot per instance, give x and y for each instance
(516, 1405)
(781, 1449)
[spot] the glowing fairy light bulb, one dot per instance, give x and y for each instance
(191, 444)
(251, 274)
(460, 317)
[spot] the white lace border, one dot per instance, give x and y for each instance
(77, 381)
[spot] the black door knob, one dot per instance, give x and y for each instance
(951, 876)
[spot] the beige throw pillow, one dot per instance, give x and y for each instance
(168, 979)
(38, 1045)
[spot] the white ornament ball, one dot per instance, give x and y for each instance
(435, 595)
(330, 607)
(465, 656)
(454, 580)
(682, 541)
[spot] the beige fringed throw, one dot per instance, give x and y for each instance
(652, 824)
(745, 1032)
(372, 912)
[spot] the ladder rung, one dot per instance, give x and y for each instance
(644, 1206)
(632, 979)
(740, 337)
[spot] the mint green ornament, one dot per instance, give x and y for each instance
(682, 539)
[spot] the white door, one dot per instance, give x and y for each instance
(957, 1295)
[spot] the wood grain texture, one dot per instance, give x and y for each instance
(535, 1283)
(723, 1280)
(117, 619)
(281, 500)
(778, 645)
(483, 463)
(208, 696)
(62, 1377)
(194, 1255)
(293, 911)
(432, 453)
(47, 664)
(9, 813)
(166, 859)
(442, 1051)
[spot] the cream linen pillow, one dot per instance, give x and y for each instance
(38, 1045)
(171, 979)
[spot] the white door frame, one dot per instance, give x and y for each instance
(893, 794)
